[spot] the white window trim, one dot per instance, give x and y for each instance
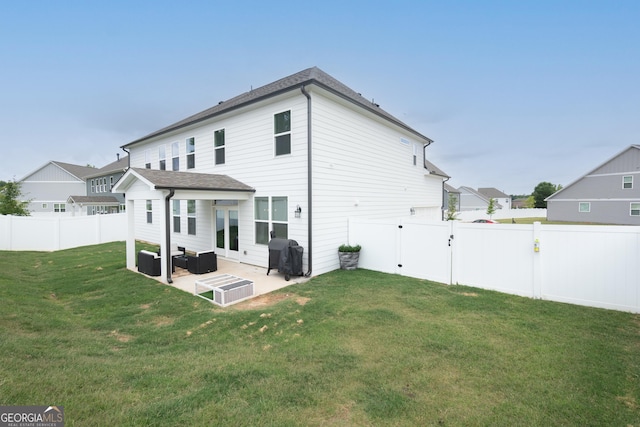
(221, 148)
(588, 204)
(276, 135)
(192, 153)
(175, 155)
(631, 182)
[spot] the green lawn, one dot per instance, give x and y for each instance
(348, 348)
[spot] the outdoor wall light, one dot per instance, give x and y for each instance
(298, 211)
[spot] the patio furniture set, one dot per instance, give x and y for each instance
(198, 263)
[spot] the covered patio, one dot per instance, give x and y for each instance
(262, 283)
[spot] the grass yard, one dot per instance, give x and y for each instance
(348, 348)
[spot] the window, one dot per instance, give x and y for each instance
(634, 209)
(149, 212)
(45, 206)
(162, 155)
(415, 154)
(191, 217)
(219, 146)
(123, 207)
(282, 130)
(627, 181)
(175, 156)
(271, 213)
(176, 216)
(147, 159)
(59, 207)
(191, 153)
(584, 207)
(93, 186)
(110, 183)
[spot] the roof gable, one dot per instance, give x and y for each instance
(295, 81)
(167, 180)
(628, 160)
(59, 171)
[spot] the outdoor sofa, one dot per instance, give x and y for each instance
(149, 263)
(202, 262)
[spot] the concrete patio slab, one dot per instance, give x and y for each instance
(262, 283)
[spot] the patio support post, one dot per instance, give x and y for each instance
(167, 240)
(131, 234)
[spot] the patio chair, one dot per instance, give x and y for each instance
(149, 263)
(202, 262)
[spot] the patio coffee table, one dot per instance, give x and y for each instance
(223, 289)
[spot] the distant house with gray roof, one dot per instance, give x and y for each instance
(294, 159)
(503, 200)
(608, 194)
(47, 189)
(97, 197)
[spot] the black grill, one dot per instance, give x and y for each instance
(286, 256)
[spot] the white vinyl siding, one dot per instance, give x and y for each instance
(341, 188)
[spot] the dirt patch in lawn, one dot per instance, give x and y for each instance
(268, 300)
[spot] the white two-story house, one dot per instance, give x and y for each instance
(294, 158)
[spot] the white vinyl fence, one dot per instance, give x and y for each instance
(502, 214)
(24, 233)
(595, 266)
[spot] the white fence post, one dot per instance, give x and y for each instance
(536, 250)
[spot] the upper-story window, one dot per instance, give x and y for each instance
(175, 156)
(282, 133)
(110, 183)
(191, 153)
(627, 181)
(219, 146)
(162, 155)
(634, 208)
(147, 159)
(93, 185)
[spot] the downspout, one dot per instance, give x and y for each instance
(128, 157)
(444, 202)
(168, 259)
(309, 176)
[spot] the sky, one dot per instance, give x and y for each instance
(513, 93)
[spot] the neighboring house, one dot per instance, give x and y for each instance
(608, 194)
(503, 200)
(295, 158)
(472, 200)
(99, 199)
(48, 188)
(450, 191)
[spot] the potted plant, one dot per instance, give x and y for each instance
(349, 256)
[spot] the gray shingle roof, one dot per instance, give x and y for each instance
(492, 193)
(309, 76)
(76, 170)
(191, 181)
(94, 200)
